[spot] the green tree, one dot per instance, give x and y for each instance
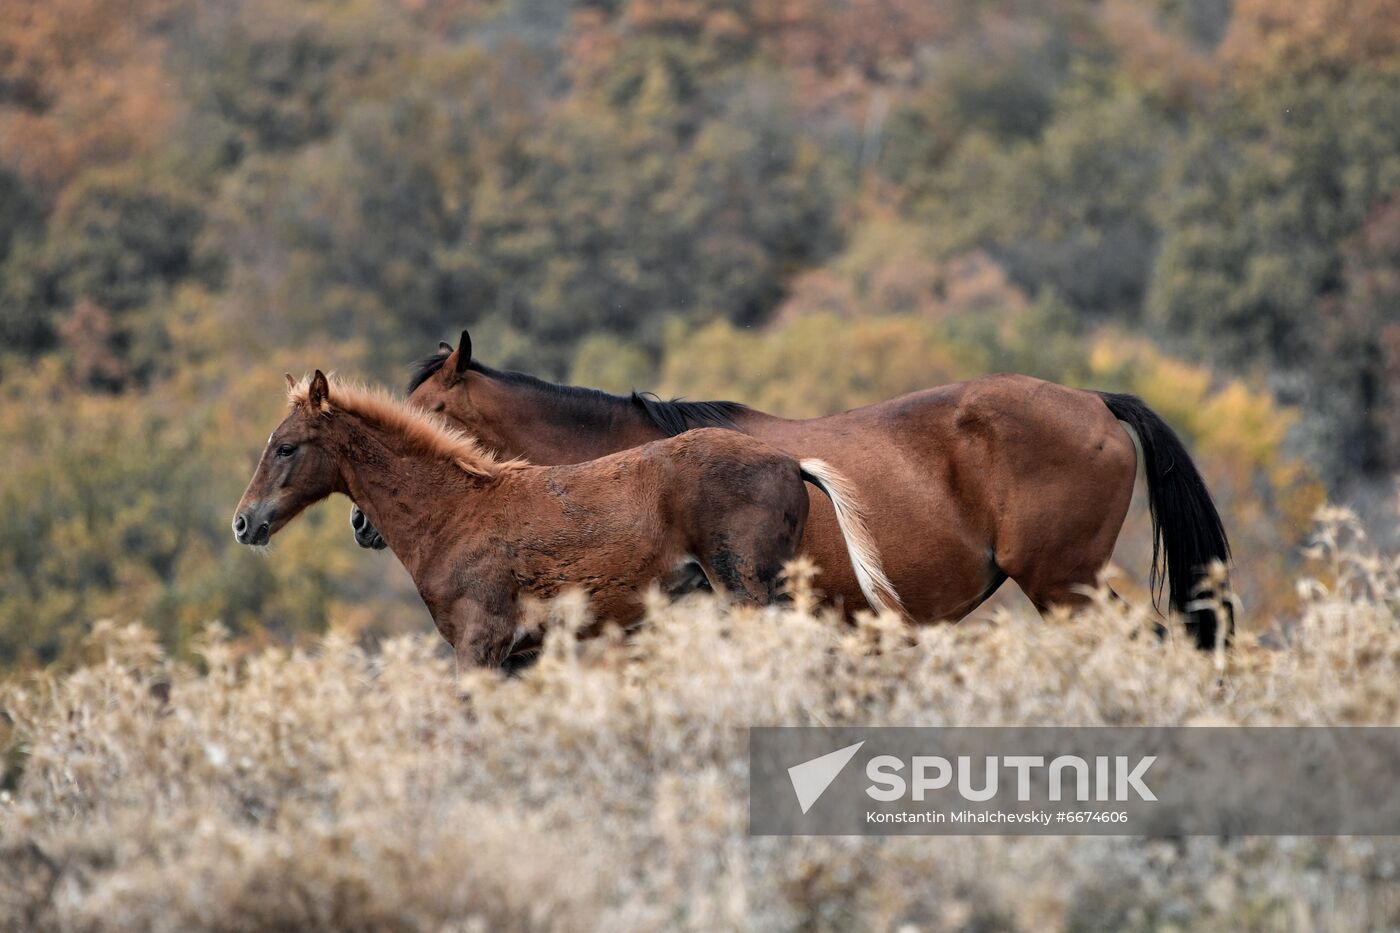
(122, 242)
(1259, 205)
(23, 322)
(1068, 210)
(1254, 269)
(411, 221)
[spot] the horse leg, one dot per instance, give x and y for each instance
(1055, 543)
(1054, 566)
(480, 637)
(734, 572)
(748, 562)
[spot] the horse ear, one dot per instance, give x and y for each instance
(319, 395)
(291, 383)
(444, 346)
(464, 352)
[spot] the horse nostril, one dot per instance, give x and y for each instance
(357, 519)
(240, 525)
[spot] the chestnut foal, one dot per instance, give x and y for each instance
(476, 533)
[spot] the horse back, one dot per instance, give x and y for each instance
(722, 479)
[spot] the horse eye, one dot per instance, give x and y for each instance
(286, 450)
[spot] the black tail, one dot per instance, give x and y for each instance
(1187, 534)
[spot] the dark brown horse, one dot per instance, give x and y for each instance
(476, 533)
(966, 484)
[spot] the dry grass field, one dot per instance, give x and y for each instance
(339, 788)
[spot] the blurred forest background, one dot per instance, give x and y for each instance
(802, 204)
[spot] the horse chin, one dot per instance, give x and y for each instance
(262, 537)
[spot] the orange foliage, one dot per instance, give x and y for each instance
(87, 333)
(837, 54)
(590, 47)
(866, 38)
(890, 267)
(1271, 36)
(1156, 59)
(709, 20)
(91, 87)
(840, 54)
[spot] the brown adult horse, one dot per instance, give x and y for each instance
(476, 533)
(967, 484)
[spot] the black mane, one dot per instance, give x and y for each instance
(420, 370)
(678, 416)
(674, 417)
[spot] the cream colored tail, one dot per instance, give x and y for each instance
(860, 543)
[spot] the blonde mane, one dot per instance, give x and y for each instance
(425, 432)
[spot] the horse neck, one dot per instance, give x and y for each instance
(549, 427)
(413, 502)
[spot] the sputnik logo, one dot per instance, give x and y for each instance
(811, 778)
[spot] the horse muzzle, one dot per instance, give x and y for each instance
(252, 526)
(366, 535)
